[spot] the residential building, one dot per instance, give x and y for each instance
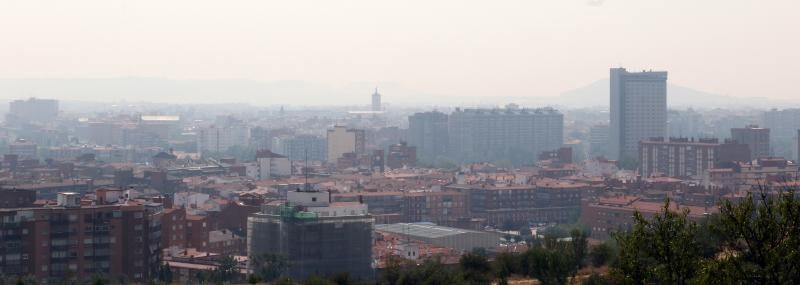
(317, 236)
(72, 239)
(615, 214)
(32, 110)
(301, 147)
(401, 155)
(599, 141)
(513, 134)
(23, 149)
(684, 157)
(343, 140)
(509, 206)
(445, 208)
(638, 110)
(757, 139)
(428, 133)
(220, 138)
(268, 165)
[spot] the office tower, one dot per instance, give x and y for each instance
(218, 138)
(32, 110)
(342, 140)
(110, 239)
(638, 110)
(376, 101)
(428, 133)
(301, 147)
(754, 137)
(315, 235)
(684, 157)
(598, 141)
(509, 134)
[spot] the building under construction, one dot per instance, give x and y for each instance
(315, 236)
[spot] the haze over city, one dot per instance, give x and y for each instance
(446, 142)
(420, 49)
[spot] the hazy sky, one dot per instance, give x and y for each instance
(443, 47)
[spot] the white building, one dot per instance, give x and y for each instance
(268, 165)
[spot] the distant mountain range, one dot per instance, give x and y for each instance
(265, 93)
(596, 94)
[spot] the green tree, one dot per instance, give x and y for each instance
(317, 280)
(578, 248)
(761, 238)
(284, 281)
(392, 272)
(226, 271)
(268, 266)
(475, 268)
(600, 254)
(597, 279)
(661, 250)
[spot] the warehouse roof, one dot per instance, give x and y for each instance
(421, 230)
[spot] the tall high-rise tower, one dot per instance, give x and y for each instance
(376, 100)
(638, 110)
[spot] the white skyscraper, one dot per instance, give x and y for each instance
(638, 110)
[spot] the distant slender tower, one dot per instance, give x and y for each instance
(376, 100)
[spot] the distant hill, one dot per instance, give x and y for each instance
(288, 92)
(596, 94)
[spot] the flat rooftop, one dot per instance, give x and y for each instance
(421, 230)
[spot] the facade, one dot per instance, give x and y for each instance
(70, 239)
(317, 237)
(546, 201)
(401, 155)
(757, 139)
(218, 139)
(783, 123)
(678, 157)
(301, 147)
(16, 198)
(32, 110)
(342, 140)
(609, 215)
(448, 208)
(599, 141)
(428, 133)
(269, 165)
(513, 134)
(638, 110)
(23, 149)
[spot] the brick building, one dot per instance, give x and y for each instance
(70, 239)
(608, 215)
(544, 201)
